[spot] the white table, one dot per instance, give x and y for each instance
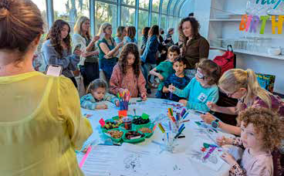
(165, 163)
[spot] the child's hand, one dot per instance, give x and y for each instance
(117, 103)
(228, 158)
(208, 118)
(160, 77)
(102, 106)
(172, 88)
(212, 106)
(184, 102)
(224, 141)
(144, 96)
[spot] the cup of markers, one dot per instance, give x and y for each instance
(124, 98)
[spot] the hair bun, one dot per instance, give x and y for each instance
(5, 4)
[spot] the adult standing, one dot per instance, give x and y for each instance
(57, 49)
(130, 35)
(41, 121)
(169, 38)
(145, 33)
(109, 51)
(89, 63)
(195, 47)
(120, 34)
(149, 57)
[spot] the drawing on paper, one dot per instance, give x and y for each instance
(207, 153)
(132, 162)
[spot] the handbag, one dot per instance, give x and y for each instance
(227, 61)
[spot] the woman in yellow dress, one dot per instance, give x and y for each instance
(40, 118)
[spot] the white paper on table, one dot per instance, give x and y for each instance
(133, 160)
(213, 160)
(99, 161)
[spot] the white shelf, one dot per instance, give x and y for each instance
(225, 20)
(240, 51)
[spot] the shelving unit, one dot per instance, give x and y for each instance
(240, 51)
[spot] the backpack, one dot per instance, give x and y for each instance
(227, 61)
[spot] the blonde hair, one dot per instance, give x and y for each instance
(103, 28)
(234, 79)
(78, 26)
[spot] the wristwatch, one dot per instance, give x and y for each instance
(215, 123)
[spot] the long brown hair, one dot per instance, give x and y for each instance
(20, 25)
(54, 36)
(154, 30)
(130, 48)
(131, 32)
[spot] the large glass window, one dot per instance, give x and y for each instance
(155, 5)
(144, 4)
(175, 13)
(172, 5)
(179, 7)
(129, 2)
(143, 22)
(165, 6)
(155, 19)
(70, 10)
(127, 16)
(163, 22)
(41, 4)
(105, 12)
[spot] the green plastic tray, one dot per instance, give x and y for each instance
(147, 135)
(133, 140)
(114, 139)
(105, 130)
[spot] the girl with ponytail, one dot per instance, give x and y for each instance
(242, 85)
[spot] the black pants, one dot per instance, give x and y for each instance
(74, 81)
(90, 72)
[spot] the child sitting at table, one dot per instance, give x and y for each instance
(178, 79)
(202, 88)
(165, 69)
(97, 92)
(260, 134)
(127, 73)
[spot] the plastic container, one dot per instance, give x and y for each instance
(114, 139)
(104, 129)
(141, 139)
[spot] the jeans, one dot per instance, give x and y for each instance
(90, 72)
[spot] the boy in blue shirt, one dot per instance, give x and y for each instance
(165, 69)
(178, 79)
(202, 88)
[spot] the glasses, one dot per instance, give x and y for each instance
(229, 94)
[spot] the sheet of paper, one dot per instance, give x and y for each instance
(206, 153)
(99, 161)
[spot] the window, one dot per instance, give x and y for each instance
(105, 12)
(155, 19)
(70, 10)
(155, 5)
(41, 4)
(172, 7)
(163, 22)
(143, 22)
(144, 4)
(165, 6)
(128, 16)
(179, 7)
(129, 2)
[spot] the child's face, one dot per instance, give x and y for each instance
(99, 93)
(249, 137)
(179, 67)
(172, 56)
(130, 59)
(201, 77)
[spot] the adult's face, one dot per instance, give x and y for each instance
(108, 30)
(187, 29)
(86, 26)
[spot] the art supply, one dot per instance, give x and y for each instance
(122, 113)
(124, 98)
(134, 111)
(102, 122)
(161, 128)
(183, 112)
(85, 156)
(171, 111)
(185, 115)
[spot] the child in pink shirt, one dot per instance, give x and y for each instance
(127, 73)
(260, 134)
